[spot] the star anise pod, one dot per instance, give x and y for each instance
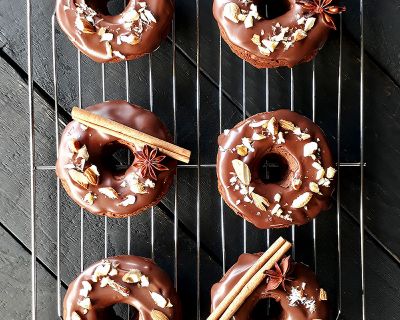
(323, 8)
(279, 274)
(147, 162)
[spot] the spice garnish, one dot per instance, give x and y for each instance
(148, 162)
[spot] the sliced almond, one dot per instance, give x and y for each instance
(75, 316)
(248, 22)
(299, 34)
(314, 187)
(103, 269)
(256, 39)
(286, 125)
(132, 276)
(309, 24)
(277, 197)
(160, 300)
(231, 12)
(302, 200)
(270, 45)
(74, 145)
(85, 303)
(83, 153)
(257, 136)
(242, 171)
(158, 315)
(131, 39)
(131, 16)
(128, 201)
(109, 192)
(79, 178)
(264, 51)
(330, 173)
(92, 174)
(296, 183)
(109, 50)
(242, 150)
(259, 201)
(90, 197)
(323, 296)
(272, 126)
(144, 281)
(83, 25)
(320, 174)
(310, 148)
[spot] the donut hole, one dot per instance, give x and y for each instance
(107, 7)
(266, 308)
(117, 158)
(271, 9)
(274, 169)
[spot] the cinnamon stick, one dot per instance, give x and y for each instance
(128, 134)
(250, 281)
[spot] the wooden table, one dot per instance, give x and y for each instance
(380, 195)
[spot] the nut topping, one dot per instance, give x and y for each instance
(103, 269)
(83, 25)
(259, 201)
(242, 171)
(160, 300)
(310, 148)
(242, 150)
(158, 315)
(85, 303)
(286, 125)
(79, 178)
(75, 316)
(92, 174)
(302, 200)
(272, 126)
(109, 192)
(231, 12)
(132, 276)
(330, 173)
(323, 296)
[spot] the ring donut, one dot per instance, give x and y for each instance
(131, 280)
(299, 164)
(101, 188)
(294, 36)
(292, 285)
(136, 31)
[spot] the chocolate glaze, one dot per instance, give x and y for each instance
(103, 299)
(90, 44)
(299, 167)
(301, 274)
(239, 38)
(97, 144)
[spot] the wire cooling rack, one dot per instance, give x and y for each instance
(197, 167)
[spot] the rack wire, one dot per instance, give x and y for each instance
(197, 167)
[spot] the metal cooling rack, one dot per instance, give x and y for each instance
(195, 167)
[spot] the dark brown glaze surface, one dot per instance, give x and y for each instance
(290, 311)
(100, 147)
(239, 38)
(90, 43)
(103, 298)
(299, 167)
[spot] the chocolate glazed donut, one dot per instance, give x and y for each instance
(138, 30)
(131, 280)
(292, 285)
(94, 184)
(295, 36)
(295, 188)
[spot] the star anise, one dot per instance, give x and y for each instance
(279, 275)
(147, 162)
(323, 8)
